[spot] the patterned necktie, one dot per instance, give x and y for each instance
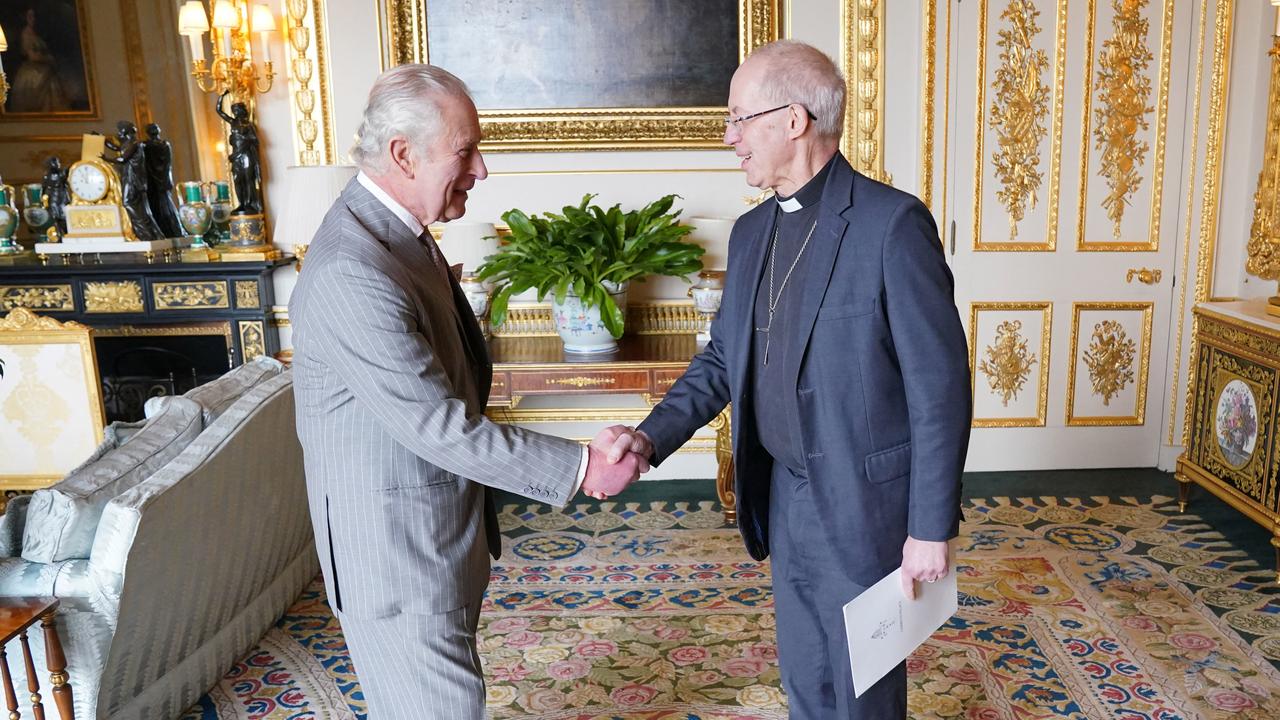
(437, 257)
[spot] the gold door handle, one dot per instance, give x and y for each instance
(1145, 276)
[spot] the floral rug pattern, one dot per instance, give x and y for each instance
(1069, 607)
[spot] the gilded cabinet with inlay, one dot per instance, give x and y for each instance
(1232, 445)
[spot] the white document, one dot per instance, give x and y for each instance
(883, 627)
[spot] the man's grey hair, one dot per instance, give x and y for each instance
(404, 102)
(801, 73)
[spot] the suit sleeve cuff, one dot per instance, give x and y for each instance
(582, 475)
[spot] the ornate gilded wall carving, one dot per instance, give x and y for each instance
(1264, 234)
(861, 59)
(36, 297)
(1123, 91)
(191, 295)
(1109, 358)
(1019, 111)
(1007, 363)
(124, 296)
(307, 62)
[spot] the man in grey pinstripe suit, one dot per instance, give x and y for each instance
(391, 376)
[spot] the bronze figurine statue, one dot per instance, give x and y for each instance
(246, 166)
(54, 188)
(159, 154)
(131, 161)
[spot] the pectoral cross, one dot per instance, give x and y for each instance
(768, 337)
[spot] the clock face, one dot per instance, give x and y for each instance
(88, 182)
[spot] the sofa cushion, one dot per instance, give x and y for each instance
(216, 396)
(62, 519)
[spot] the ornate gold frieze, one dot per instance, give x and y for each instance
(211, 295)
(1123, 91)
(23, 320)
(1008, 363)
(252, 342)
(1109, 359)
(124, 296)
(1019, 111)
(661, 318)
(586, 128)
(861, 55)
(582, 381)
(37, 297)
(929, 31)
(247, 294)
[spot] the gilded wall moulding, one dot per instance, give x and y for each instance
(1112, 359)
(124, 296)
(1007, 363)
(862, 61)
(1124, 89)
(1019, 111)
(37, 297)
(584, 128)
(308, 61)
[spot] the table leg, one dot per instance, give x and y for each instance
(57, 663)
(33, 682)
(10, 697)
(724, 467)
(1184, 493)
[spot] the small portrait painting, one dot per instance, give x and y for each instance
(46, 63)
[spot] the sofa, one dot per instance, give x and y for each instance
(173, 548)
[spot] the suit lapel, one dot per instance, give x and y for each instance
(748, 277)
(828, 236)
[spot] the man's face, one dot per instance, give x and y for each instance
(760, 142)
(451, 165)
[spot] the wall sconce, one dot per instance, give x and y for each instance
(233, 68)
(4, 81)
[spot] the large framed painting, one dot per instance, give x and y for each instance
(47, 63)
(51, 414)
(587, 74)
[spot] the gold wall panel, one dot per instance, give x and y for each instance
(1003, 367)
(124, 296)
(210, 295)
(1116, 115)
(306, 47)
(862, 61)
(1016, 116)
(928, 89)
(1114, 356)
(37, 297)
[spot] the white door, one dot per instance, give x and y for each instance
(1064, 143)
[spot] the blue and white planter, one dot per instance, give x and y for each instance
(580, 327)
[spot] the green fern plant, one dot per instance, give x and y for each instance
(583, 250)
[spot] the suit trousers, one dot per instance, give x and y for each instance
(810, 590)
(416, 666)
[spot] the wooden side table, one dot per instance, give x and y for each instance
(646, 365)
(16, 615)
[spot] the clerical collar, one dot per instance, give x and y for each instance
(810, 194)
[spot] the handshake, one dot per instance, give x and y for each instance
(615, 459)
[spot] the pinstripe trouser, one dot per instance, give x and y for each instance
(413, 667)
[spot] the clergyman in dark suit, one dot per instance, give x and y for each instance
(391, 375)
(839, 345)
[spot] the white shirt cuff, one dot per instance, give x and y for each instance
(582, 475)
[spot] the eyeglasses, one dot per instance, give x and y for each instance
(737, 121)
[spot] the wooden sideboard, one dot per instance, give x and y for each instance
(1233, 442)
(645, 365)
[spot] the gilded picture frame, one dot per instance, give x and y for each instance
(49, 62)
(660, 126)
(51, 409)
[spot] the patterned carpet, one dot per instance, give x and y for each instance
(1082, 608)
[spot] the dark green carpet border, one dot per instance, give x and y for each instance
(1242, 533)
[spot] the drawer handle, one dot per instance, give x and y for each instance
(1144, 275)
(581, 382)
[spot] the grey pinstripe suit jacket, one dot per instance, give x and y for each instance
(391, 380)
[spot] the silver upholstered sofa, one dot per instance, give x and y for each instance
(183, 560)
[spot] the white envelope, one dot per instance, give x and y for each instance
(883, 627)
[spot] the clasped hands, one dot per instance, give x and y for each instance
(615, 459)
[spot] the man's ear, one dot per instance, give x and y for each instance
(402, 156)
(797, 121)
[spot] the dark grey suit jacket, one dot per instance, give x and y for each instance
(880, 370)
(391, 376)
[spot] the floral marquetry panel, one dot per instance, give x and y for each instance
(1110, 357)
(1125, 124)
(1009, 352)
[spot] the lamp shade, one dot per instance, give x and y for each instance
(4, 41)
(263, 20)
(225, 15)
(468, 243)
(192, 19)
(310, 192)
(712, 234)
